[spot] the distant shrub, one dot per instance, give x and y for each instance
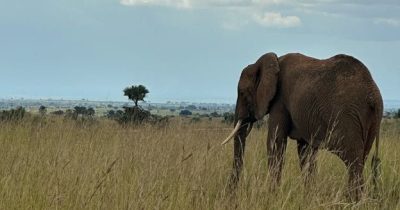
(81, 114)
(195, 120)
(159, 120)
(90, 112)
(58, 112)
(215, 114)
(42, 110)
(69, 114)
(134, 115)
(13, 114)
(229, 117)
(110, 114)
(137, 115)
(83, 111)
(119, 113)
(185, 112)
(191, 107)
(204, 115)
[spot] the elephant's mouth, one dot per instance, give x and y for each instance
(240, 125)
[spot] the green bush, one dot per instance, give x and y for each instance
(195, 120)
(229, 117)
(137, 115)
(185, 112)
(13, 114)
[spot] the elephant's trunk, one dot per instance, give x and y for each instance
(234, 132)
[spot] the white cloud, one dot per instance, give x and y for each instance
(201, 3)
(238, 13)
(251, 3)
(168, 3)
(273, 19)
(235, 22)
(387, 21)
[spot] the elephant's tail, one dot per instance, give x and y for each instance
(376, 154)
(376, 163)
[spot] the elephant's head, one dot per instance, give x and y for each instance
(256, 89)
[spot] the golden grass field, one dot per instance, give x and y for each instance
(61, 164)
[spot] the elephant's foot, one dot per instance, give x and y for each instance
(233, 182)
(356, 187)
(355, 194)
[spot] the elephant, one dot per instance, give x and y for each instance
(331, 104)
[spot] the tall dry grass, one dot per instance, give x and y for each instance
(58, 164)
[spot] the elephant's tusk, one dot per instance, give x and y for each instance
(237, 127)
(249, 129)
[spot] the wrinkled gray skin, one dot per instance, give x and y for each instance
(332, 104)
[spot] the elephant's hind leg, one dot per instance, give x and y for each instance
(307, 158)
(356, 180)
(353, 157)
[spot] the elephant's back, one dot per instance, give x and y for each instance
(352, 82)
(338, 75)
(315, 91)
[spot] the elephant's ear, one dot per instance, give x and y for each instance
(268, 69)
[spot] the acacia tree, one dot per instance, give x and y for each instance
(136, 93)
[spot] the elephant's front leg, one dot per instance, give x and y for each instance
(276, 147)
(307, 158)
(238, 152)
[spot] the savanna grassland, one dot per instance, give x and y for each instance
(61, 164)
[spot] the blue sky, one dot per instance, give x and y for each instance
(192, 50)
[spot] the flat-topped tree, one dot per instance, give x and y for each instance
(136, 93)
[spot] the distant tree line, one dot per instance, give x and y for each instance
(392, 114)
(78, 111)
(16, 114)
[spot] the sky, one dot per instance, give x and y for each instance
(182, 50)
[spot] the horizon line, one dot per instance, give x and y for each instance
(146, 101)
